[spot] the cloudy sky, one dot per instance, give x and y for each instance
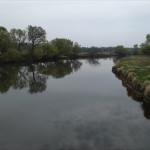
(88, 22)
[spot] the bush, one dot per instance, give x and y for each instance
(145, 49)
(121, 51)
(14, 55)
(49, 50)
(38, 53)
(4, 58)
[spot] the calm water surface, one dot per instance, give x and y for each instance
(74, 105)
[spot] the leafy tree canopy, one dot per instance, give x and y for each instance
(36, 35)
(19, 36)
(64, 46)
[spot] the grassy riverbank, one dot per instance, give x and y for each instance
(136, 71)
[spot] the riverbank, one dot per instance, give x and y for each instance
(135, 70)
(9, 59)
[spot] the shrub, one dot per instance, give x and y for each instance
(121, 51)
(38, 53)
(14, 55)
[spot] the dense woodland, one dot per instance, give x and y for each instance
(31, 44)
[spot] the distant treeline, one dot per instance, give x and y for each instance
(31, 44)
(120, 50)
(97, 49)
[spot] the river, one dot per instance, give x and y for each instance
(70, 105)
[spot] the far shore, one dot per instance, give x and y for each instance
(68, 57)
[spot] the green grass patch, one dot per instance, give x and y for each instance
(138, 65)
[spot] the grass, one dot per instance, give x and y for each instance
(138, 65)
(136, 70)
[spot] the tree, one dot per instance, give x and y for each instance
(36, 35)
(135, 49)
(19, 36)
(5, 40)
(148, 39)
(64, 46)
(121, 51)
(3, 29)
(145, 47)
(76, 48)
(49, 50)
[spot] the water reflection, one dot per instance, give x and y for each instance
(35, 76)
(59, 69)
(135, 95)
(88, 110)
(93, 62)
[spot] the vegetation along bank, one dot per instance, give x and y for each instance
(135, 70)
(31, 44)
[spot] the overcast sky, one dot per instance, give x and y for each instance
(88, 22)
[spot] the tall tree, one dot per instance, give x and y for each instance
(36, 35)
(5, 40)
(19, 36)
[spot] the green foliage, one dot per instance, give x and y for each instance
(135, 50)
(64, 46)
(4, 58)
(148, 39)
(36, 35)
(5, 40)
(76, 48)
(10, 55)
(38, 53)
(19, 36)
(3, 29)
(121, 51)
(13, 55)
(49, 50)
(145, 47)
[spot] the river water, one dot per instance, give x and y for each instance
(70, 105)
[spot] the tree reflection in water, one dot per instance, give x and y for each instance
(135, 95)
(93, 62)
(8, 77)
(59, 69)
(36, 81)
(35, 76)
